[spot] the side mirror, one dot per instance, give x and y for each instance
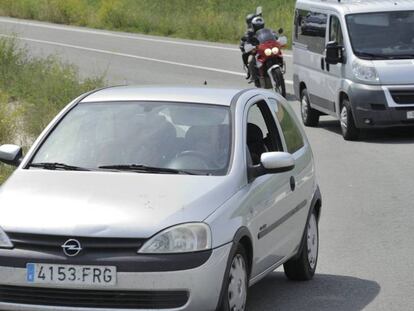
(259, 11)
(334, 53)
(11, 154)
(280, 31)
(272, 163)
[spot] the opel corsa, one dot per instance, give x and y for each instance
(158, 198)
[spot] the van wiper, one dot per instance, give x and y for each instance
(144, 168)
(366, 55)
(57, 166)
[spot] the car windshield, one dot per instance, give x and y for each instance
(386, 35)
(191, 138)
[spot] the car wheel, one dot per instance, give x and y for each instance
(349, 130)
(234, 295)
(310, 116)
(303, 267)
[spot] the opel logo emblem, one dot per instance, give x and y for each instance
(72, 247)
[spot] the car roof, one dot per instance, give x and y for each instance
(202, 95)
(358, 6)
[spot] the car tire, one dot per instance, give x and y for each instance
(303, 266)
(310, 116)
(280, 82)
(235, 285)
(348, 127)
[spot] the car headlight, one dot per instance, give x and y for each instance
(275, 51)
(4, 240)
(365, 71)
(185, 238)
(268, 52)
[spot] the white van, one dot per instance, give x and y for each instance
(354, 60)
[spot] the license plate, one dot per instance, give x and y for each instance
(68, 274)
(410, 114)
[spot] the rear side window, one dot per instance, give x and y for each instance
(293, 136)
(310, 30)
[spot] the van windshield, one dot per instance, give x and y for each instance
(385, 35)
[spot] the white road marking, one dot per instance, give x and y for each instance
(130, 56)
(111, 34)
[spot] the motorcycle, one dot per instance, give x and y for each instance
(270, 63)
(266, 58)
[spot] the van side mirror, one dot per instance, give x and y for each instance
(334, 53)
(272, 163)
(11, 154)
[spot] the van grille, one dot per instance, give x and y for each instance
(93, 298)
(403, 97)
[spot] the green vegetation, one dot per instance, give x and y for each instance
(213, 20)
(32, 92)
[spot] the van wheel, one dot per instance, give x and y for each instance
(349, 130)
(310, 116)
(303, 267)
(234, 295)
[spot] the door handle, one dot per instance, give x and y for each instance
(292, 183)
(322, 63)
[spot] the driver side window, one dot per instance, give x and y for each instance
(335, 32)
(261, 132)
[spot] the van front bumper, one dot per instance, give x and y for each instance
(374, 106)
(202, 284)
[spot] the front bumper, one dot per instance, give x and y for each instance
(202, 283)
(374, 107)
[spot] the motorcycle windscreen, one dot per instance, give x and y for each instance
(264, 35)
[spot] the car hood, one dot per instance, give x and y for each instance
(106, 204)
(393, 72)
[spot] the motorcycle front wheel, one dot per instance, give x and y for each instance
(279, 79)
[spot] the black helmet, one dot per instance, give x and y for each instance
(249, 19)
(258, 23)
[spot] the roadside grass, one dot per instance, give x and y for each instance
(32, 92)
(211, 20)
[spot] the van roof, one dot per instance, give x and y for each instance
(357, 6)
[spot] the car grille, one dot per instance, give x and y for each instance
(403, 97)
(55, 242)
(92, 298)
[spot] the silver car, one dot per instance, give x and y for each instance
(158, 199)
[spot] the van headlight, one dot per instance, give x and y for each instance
(365, 71)
(185, 238)
(4, 240)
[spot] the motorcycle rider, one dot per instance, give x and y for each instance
(257, 24)
(247, 39)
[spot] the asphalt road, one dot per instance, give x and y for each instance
(367, 228)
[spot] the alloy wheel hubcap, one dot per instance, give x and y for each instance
(312, 236)
(304, 107)
(344, 118)
(237, 293)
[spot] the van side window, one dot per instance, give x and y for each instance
(310, 30)
(293, 136)
(335, 31)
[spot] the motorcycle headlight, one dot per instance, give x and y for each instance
(268, 52)
(185, 238)
(365, 71)
(275, 51)
(4, 240)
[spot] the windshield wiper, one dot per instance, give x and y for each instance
(57, 166)
(371, 55)
(144, 168)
